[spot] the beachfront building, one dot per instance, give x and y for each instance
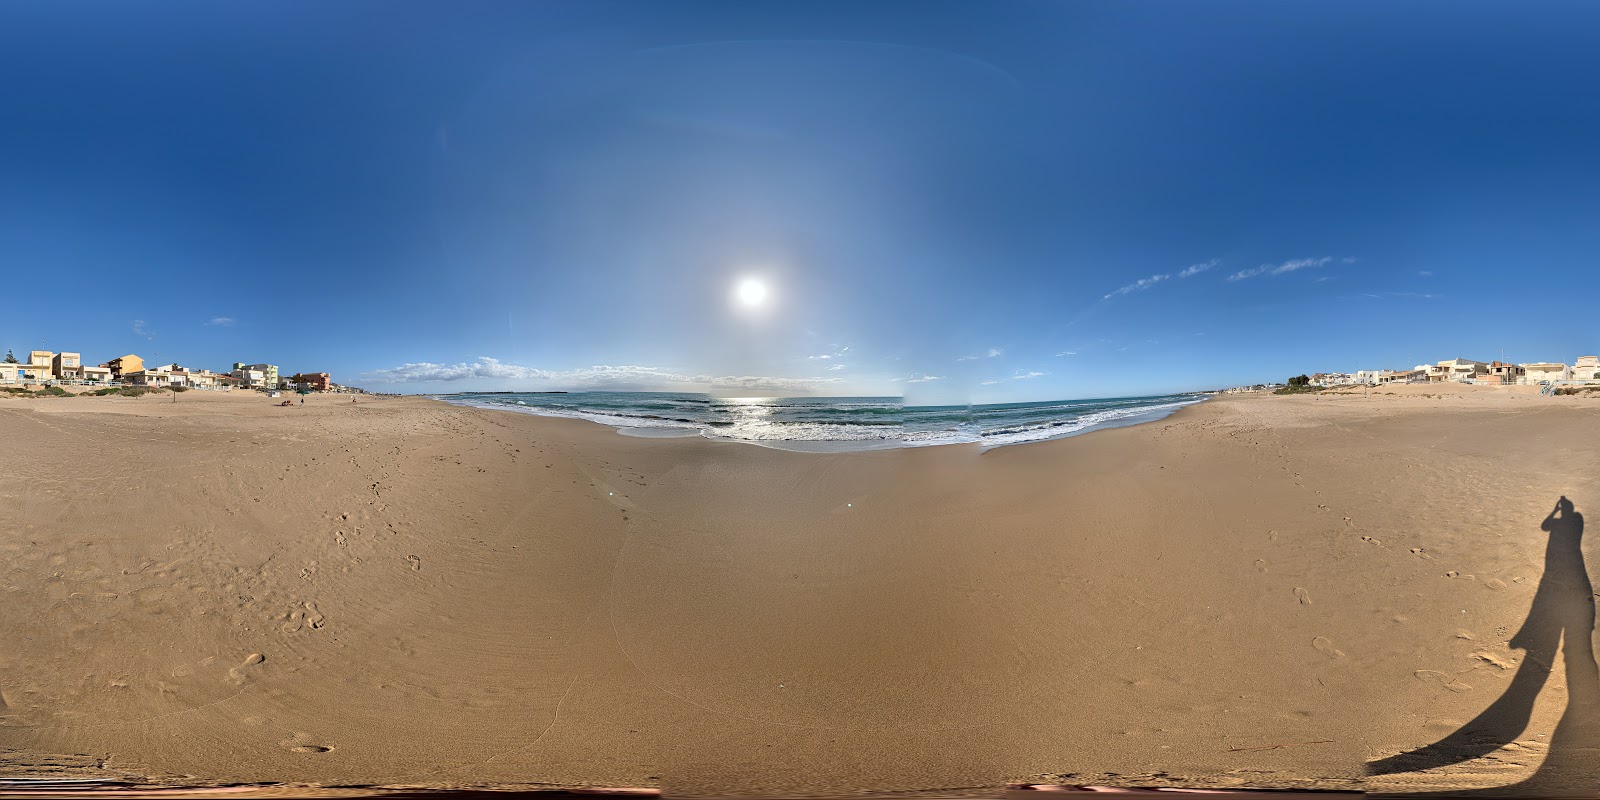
(95, 374)
(249, 378)
(1366, 376)
(35, 370)
(1457, 370)
(66, 366)
(1501, 373)
(316, 381)
(1545, 372)
(268, 379)
(1402, 375)
(122, 364)
(149, 378)
(1587, 369)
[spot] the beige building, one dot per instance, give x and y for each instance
(249, 378)
(1457, 370)
(151, 378)
(35, 370)
(100, 374)
(1587, 368)
(1401, 375)
(1544, 371)
(67, 366)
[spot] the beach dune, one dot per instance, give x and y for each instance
(1257, 590)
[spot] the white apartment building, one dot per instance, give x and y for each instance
(1545, 371)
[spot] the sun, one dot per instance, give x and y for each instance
(750, 293)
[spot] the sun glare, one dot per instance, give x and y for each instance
(751, 293)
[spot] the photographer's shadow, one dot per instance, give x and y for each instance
(1562, 617)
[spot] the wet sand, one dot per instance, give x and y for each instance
(1258, 590)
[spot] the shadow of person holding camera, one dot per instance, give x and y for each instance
(1562, 617)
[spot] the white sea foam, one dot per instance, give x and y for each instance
(846, 424)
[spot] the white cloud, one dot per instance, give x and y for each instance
(987, 383)
(1066, 353)
(924, 378)
(595, 377)
(838, 352)
(1425, 273)
(1292, 265)
(1139, 285)
(835, 367)
(994, 352)
(220, 322)
(1414, 295)
(1023, 375)
(140, 329)
(1145, 283)
(967, 358)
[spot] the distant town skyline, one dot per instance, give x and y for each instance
(948, 203)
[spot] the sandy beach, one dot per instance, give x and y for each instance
(1258, 590)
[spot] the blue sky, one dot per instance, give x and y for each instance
(982, 202)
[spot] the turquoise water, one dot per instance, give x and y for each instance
(834, 423)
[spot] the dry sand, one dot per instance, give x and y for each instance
(1258, 590)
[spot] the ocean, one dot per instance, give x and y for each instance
(832, 423)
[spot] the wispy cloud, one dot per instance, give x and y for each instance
(1145, 283)
(1066, 353)
(1412, 295)
(220, 322)
(1139, 285)
(1292, 265)
(1023, 375)
(595, 377)
(1425, 272)
(924, 378)
(835, 367)
(993, 352)
(140, 329)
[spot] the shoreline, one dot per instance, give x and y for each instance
(696, 430)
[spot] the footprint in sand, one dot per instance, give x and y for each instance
(416, 563)
(1261, 565)
(1305, 596)
(238, 674)
(1435, 676)
(305, 617)
(1495, 583)
(1325, 646)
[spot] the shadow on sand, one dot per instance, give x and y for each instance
(1562, 617)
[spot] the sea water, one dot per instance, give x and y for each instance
(833, 423)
